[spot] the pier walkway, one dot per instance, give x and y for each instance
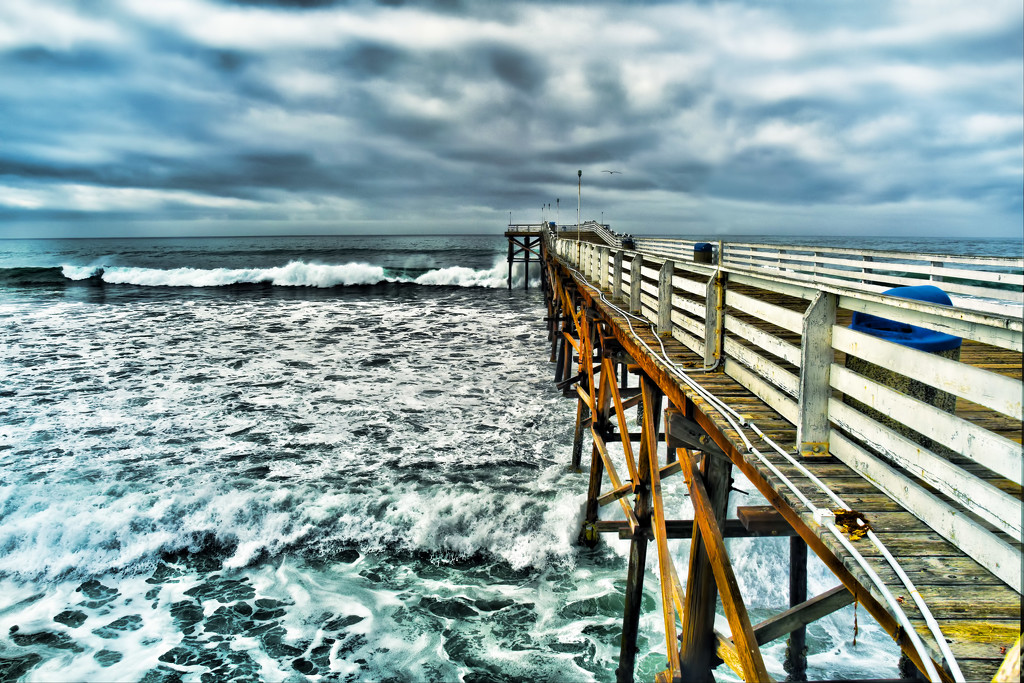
(899, 467)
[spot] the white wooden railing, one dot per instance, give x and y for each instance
(588, 228)
(994, 285)
(723, 312)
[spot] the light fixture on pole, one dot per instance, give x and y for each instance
(579, 201)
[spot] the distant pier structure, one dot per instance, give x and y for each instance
(873, 399)
(524, 242)
(524, 247)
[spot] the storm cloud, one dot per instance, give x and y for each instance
(202, 117)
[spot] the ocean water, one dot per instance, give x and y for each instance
(323, 458)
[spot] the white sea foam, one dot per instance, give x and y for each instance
(297, 274)
(164, 408)
(79, 272)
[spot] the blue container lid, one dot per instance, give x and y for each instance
(702, 246)
(904, 333)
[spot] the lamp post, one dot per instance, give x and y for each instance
(579, 201)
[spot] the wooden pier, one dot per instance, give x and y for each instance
(523, 243)
(899, 468)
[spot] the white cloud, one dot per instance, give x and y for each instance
(97, 198)
(303, 83)
(984, 127)
(58, 26)
(807, 141)
(886, 128)
(256, 28)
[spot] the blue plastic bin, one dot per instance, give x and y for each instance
(903, 333)
(702, 252)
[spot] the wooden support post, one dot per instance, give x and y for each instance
(697, 642)
(795, 663)
(603, 267)
(714, 319)
(510, 254)
(560, 346)
(526, 269)
(635, 278)
(553, 335)
(545, 284)
(697, 663)
(665, 297)
(671, 442)
(638, 546)
(582, 415)
(617, 276)
(816, 357)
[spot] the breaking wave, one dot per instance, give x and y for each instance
(294, 274)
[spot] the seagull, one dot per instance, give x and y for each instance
(611, 171)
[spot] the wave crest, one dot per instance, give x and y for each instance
(294, 274)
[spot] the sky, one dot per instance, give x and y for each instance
(221, 117)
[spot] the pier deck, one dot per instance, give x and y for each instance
(773, 347)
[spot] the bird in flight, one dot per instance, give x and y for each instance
(611, 171)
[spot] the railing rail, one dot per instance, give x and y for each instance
(527, 227)
(744, 316)
(991, 284)
(588, 228)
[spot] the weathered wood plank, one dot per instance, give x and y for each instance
(783, 317)
(988, 549)
(984, 388)
(800, 615)
(991, 450)
(971, 492)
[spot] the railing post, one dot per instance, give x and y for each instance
(665, 297)
(865, 271)
(714, 318)
(603, 266)
(617, 276)
(635, 278)
(815, 361)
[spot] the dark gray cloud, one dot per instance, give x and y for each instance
(199, 115)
